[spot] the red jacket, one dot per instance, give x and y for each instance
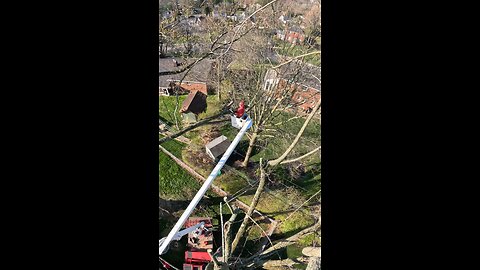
(240, 110)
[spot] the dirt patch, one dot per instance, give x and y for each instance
(208, 135)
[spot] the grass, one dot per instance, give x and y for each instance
(231, 182)
(295, 223)
(174, 147)
(167, 109)
(310, 240)
(191, 158)
(274, 147)
(295, 250)
(213, 107)
(275, 201)
(175, 183)
(307, 184)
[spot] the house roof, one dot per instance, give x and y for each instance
(218, 146)
(195, 86)
(200, 72)
(196, 102)
(295, 28)
(303, 73)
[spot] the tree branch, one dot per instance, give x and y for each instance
(304, 156)
(296, 57)
(203, 122)
(297, 138)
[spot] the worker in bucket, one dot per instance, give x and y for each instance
(240, 113)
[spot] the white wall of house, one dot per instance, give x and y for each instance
(163, 91)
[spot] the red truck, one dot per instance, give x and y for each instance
(199, 241)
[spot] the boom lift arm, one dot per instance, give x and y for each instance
(244, 125)
(181, 233)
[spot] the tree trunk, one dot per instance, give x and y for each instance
(314, 263)
(253, 139)
(254, 203)
(218, 81)
(228, 232)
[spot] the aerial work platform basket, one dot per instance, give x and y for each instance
(238, 122)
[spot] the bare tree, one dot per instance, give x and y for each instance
(266, 81)
(295, 141)
(218, 41)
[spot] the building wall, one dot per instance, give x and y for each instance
(294, 37)
(210, 153)
(307, 97)
(304, 99)
(163, 91)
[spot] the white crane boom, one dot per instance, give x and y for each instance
(246, 124)
(180, 234)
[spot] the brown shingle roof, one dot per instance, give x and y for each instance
(200, 72)
(196, 102)
(195, 86)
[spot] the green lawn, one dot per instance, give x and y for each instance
(175, 183)
(274, 146)
(174, 147)
(167, 109)
(231, 182)
(213, 107)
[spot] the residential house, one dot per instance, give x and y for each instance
(306, 90)
(293, 35)
(284, 19)
(200, 73)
